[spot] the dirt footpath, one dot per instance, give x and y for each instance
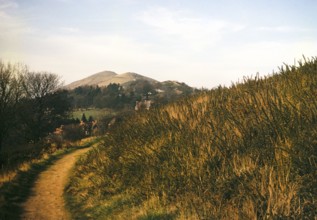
(46, 200)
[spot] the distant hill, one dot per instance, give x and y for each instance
(121, 91)
(105, 78)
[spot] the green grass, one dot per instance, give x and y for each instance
(244, 152)
(95, 113)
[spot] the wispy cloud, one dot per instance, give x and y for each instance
(7, 4)
(82, 53)
(13, 31)
(283, 29)
(70, 30)
(11, 26)
(195, 31)
(186, 44)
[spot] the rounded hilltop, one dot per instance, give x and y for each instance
(104, 78)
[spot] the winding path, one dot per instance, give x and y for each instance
(46, 200)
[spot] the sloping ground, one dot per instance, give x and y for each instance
(47, 201)
(125, 78)
(95, 79)
(244, 152)
(105, 78)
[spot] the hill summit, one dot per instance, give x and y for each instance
(105, 78)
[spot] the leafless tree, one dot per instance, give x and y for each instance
(40, 84)
(11, 92)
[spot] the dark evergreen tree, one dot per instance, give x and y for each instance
(83, 118)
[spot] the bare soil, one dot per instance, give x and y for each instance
(46, 200)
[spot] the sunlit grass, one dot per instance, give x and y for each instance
(244, 152)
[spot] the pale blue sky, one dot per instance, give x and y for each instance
(201, 43)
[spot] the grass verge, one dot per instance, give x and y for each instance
(17, 190)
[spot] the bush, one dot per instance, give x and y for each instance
(73, 132)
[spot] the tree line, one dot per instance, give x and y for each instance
(118, 97)
(32, 104)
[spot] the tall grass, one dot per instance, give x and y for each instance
(244, 152)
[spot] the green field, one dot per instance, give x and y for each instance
(244, 152)
(96, 113)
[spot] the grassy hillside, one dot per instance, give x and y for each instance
(244, 152)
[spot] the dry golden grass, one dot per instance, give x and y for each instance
(244, 152)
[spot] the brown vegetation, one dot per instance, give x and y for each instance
(244, 152)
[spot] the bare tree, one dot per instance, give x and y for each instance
(42, 99)
(11, 92)
(40, 84)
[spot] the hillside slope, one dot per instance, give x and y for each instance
(104, 78)
(125, 78)
(124, 90)
(244, 152)
(95, 79)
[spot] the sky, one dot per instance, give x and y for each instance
(204, 43)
